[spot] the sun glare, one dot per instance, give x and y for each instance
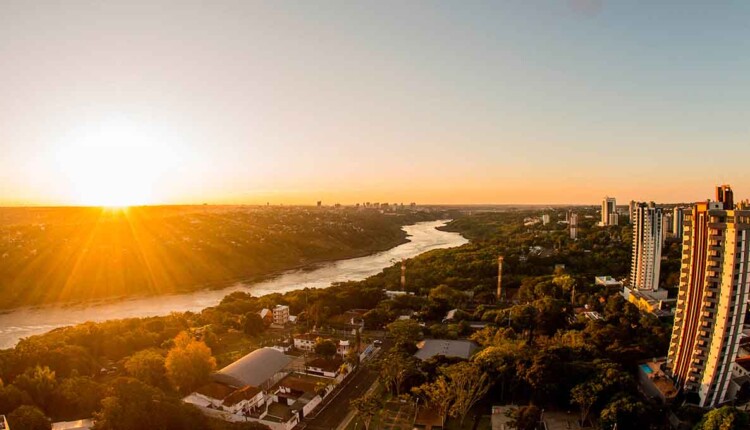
(115, 163)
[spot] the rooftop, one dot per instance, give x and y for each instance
(246, 393)
(302, 383)
(450, 348)
(253, 369)
(215, 390)
(327, 364)
(606, 280)
(85, 424)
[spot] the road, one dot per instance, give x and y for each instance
(335, 412)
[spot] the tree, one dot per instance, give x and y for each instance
(406, 331)
(28, 418)
(40, 383)
(550, 315)
(352, 356)
(252, 324)
(501, 360)
(132, 405)
(77, 397)
(544, 374)
(447, 295)
(189, 363)
(147, 366)
(438, 394)
(724, 418)
(468, 384)
(395, 367)
(624, 412)
(12, 397)
(523, 319)
(585, 395)
(525, 417)
(376, 319)
(367, 406)
(325, 347)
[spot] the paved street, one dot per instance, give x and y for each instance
(337, 410)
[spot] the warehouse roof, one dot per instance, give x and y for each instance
(450, 348)
(253, 369)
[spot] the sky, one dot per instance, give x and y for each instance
(133, 102)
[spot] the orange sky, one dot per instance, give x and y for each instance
(117, 103)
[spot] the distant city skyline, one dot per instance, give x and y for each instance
(248, 102)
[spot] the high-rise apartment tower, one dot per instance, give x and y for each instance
(712, 299)
(609, 211)
(647, 244)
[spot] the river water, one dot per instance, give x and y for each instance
(423, 237)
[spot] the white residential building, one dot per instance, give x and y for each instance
(281, 314)
(647, 245)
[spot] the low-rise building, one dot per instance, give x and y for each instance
(391, 294)
(740, 382)
(654, 302)
(429, 348)
(267, 387)
(256, 368)
(325, 367)
(607, 281)
(246, 400)
(84, 424)
(655, 383)
(307, 341)
(281, 314)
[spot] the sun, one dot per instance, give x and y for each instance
(114, 163)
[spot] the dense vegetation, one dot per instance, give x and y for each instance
(50, 255)
(537, 348)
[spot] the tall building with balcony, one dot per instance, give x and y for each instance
(647, 243)
(609, 211)
(712, 299)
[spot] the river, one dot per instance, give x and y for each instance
(423, 237)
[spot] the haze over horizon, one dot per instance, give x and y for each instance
(166, 102)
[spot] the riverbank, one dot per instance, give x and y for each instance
(214, 286)
(422, 237)
(77, 255)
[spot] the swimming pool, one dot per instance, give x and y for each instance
(646, 368)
